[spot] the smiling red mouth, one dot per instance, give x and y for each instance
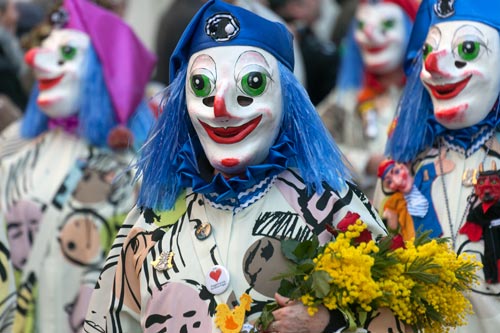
(44, 84)
(375, 49)
(447, 91)
(229, 135)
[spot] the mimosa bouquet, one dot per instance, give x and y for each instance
(423, 282)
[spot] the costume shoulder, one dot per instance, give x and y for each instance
(119, 280)
(328, 207)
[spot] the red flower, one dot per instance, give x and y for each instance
(397, 242)
(350, 219)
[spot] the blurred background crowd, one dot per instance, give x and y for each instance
(318, 26)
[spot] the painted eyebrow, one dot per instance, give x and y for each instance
(468, 26)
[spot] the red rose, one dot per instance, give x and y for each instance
(397, 242)
(350, 219)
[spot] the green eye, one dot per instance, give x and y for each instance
(201, 85)
(254, 83)
(427, 49)
(388, 24)
(68, 52)
(361, 25)
(469, 50)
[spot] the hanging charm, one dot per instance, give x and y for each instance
(468, 177)
(233, 321)
(163, 262)
(203, 231)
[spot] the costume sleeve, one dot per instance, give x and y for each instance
(7, 283)
(115, 302)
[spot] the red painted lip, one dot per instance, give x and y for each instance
(231, 135)
(44, 84)
(230, 162)
(447, 91)
(375, 49)
(452, 114)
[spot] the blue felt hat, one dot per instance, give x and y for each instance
(220, 24)
(432, 12)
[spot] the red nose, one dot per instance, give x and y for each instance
(29, 57)
(220, 107)
(431, 63)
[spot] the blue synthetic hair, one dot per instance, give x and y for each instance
(411, 134)
(157, 166)
(34, 121)
(140, 123)
(351, 69)
(350, 75)
(96, 113)
(96, 117)
(318, 157)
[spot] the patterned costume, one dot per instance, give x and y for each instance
(450, 108)
(208, 224)
(65, 181)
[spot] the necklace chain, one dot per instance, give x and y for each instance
(470, 197)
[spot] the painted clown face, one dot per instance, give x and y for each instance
(460, 71)
(59, 66)
(381, 36)
(235, 104)
(398, 179)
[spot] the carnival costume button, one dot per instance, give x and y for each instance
(217, 280)
(203, 231)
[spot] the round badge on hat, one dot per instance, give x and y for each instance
(217, 280)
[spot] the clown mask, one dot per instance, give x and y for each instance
(460, 71)
(234, 101)
(59, 66)
(381, 36)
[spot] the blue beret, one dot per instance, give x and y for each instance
(432, 12)
(220, 24)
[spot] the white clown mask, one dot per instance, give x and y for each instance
(461, 71)
(234, 101)
(381, 36)
(59, 65)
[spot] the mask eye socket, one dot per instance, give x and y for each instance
(254, 83)
(388, 24)
(201, 84)
(360, 25)
(426, 50)
(68, 52)
(468, 50)
(253, 80)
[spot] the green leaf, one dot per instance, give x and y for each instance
(288, 247)
(266, 316)
(320, 283)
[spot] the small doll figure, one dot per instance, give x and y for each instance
(483, 221)
(66, 185)
(408, 206)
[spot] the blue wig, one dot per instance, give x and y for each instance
(318, 158)
(96, 114)
(412, 133)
